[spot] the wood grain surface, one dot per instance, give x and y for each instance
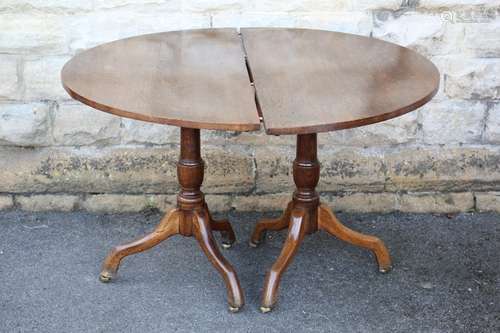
(193, 78)
(311, 81)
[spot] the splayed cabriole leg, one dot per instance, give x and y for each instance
(225, 229)
(190, 218)
(203, 233)
(168, 226)
(258, 235)
(305, 215)
(328, 222)
(296, 233)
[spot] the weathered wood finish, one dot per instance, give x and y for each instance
(193, 78)
(310, 81)
(305, 215)
(190, 218)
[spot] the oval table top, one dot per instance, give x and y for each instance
(303, 81)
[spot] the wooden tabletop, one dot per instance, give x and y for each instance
(306, 81)
(311, 81)
(194, 78)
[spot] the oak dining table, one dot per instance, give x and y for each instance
(290, 81)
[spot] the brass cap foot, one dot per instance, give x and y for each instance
(234, 309)
(265, 309)
(226, 245)
(105, 277)
(385, 270)
(252, 244)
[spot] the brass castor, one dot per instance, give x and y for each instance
(226, 245)
(252, 244)
(261, 240)
(385, 270)
(265, 309)
(228, 239)
(106, 277)
(234, 309)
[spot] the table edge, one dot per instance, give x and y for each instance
(353, 123)
(163, 121)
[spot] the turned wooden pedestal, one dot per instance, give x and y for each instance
(305, 215)
(190, 218)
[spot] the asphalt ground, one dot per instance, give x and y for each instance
(446, 277)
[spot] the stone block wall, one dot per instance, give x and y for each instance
(57, 154)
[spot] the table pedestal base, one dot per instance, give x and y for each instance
(190, 218)
(305, 215)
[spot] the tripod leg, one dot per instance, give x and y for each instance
(277, 224)
(296, 233)
(168, 226)
(330, 223)
(203, 233)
